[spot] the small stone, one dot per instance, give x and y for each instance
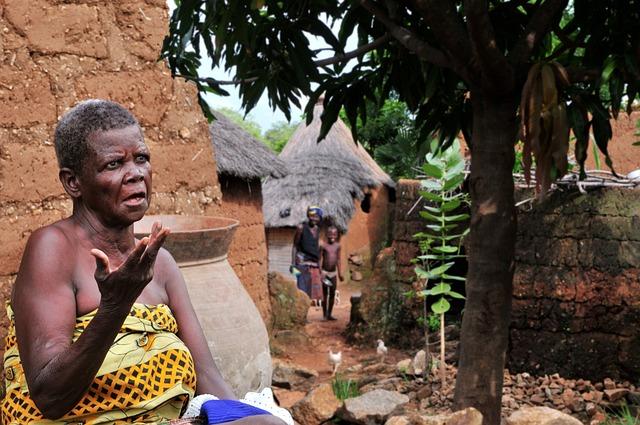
(538, 399)
(609, 384)
(356, 275)
(184, 133)
(616, 394)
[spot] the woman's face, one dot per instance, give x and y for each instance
(116, 175)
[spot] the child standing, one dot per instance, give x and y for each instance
(330, 270)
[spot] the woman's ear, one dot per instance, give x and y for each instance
(70, 182)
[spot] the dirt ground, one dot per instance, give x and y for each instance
(328, 335)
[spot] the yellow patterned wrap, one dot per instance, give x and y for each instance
(147, 376)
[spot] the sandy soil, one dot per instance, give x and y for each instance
(328, 335)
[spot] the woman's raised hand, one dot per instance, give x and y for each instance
(124, 284)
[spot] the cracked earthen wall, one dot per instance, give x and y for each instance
(242, 200)
(56, 53)
(576, 305)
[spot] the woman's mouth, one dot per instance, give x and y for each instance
(135, 199)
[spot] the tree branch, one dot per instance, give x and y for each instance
(320, 62)
(544, 18)
(354, 53)
(408, 39)
(496, 71)
(442, 17)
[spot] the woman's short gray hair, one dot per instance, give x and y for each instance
(79, 122)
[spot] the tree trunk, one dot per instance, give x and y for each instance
(486, 318)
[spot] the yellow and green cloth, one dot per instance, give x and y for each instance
(147, 376)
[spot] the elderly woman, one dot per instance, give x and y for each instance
(102, 329)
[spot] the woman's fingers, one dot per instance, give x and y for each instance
(102, 265)
(137, 253)
(149, 256)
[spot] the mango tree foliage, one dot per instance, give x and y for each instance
(460, 65)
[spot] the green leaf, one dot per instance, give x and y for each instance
(450, 205)
(451, 277)
(431, 185)
(432, 170)
(430, 196)
(441, 306)
(439, 289)
(453, 294)
(453, 183)
(456, 217)
(438, 271)
(444, 249)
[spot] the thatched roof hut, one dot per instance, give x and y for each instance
(339, 176)
(238, 154)
(330, 174)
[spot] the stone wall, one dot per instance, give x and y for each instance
(576, 302)
(54, 54)
(242, 200)
(576, 288)
(406, 223)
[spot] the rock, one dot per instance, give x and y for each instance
(614, 395)
(634, 398)
(292, 376)
(318, 406)
(609, 384)
(469, 416)
(356, 259)
(404, 366)
(419, 363)
(356, 275)
(424, 392)
(540, 416)
(373, 407)
(538, 398)
(389, 384)
(288, 304)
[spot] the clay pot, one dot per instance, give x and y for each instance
(235, 332)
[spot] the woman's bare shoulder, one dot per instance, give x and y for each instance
(57, 238)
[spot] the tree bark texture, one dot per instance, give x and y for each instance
(486, 318)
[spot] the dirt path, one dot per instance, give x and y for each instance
(326, 335)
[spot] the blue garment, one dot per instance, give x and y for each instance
(303, 280)
(221, 411)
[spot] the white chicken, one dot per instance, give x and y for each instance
(381, 350)
(335, 359)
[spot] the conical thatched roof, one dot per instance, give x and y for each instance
(330, 174)
(239, 154)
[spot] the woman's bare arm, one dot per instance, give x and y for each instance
(58, 370)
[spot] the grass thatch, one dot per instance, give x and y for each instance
(327, 181)
(239, 154)
(330, 174)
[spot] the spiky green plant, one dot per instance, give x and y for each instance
(344, 388)
(445, 229)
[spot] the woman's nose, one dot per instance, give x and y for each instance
(134, 173)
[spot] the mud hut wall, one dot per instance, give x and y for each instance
(242, 200)
(577, 286)
(279, 245)
(54, 54)
(625, 156)
(368, 232)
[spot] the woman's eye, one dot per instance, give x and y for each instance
(142, 158)
(113, 165)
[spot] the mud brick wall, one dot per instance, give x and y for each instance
(406, 223)
(242, 200)
(56, 53)
(576, 304)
